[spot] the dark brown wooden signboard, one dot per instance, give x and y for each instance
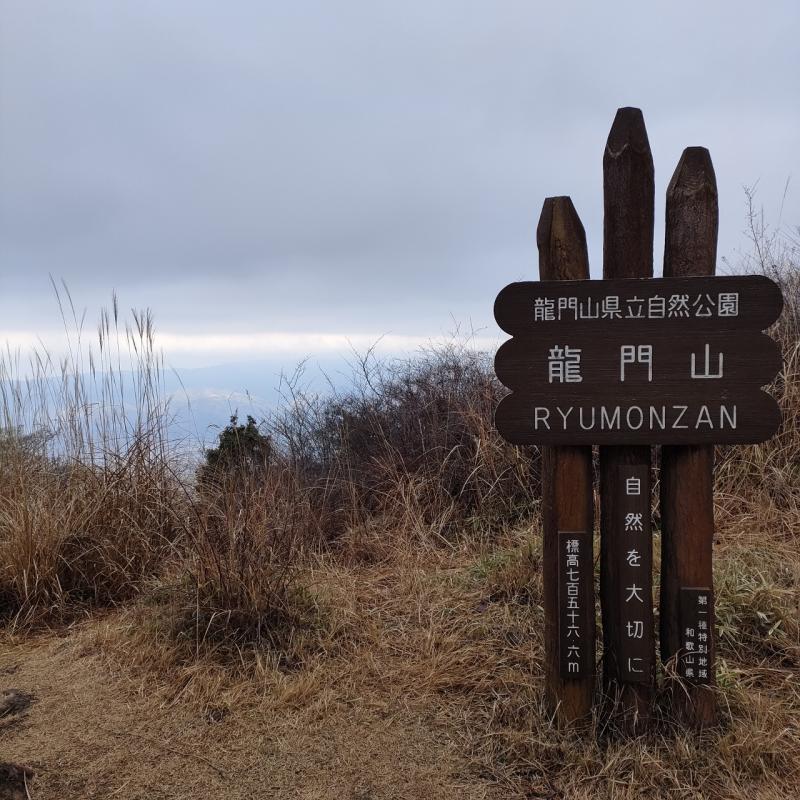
(626, 363)
(737, 302)
(657, 361)
(575, 604)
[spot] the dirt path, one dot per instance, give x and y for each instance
(92, 731)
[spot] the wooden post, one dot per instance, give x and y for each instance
(628, 192)
(687, 505)
(566, 482)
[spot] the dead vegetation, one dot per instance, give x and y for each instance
(380, 555)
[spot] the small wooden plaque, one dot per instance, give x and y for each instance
(696, 654)
(575, 604)
(636, 651)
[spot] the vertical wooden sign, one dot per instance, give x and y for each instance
(575, 605)
(629, 195)
(696, 654)
(687, 485)
(636, 648)
(625, 363)
(567, 502)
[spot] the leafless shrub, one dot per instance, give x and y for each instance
(411, 441)
(246, 537)
(768, 474)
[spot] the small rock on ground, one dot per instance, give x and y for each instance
(13, 778)
(13, 701)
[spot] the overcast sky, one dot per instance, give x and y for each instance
(266, 174)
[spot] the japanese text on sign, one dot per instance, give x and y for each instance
(680, 306)
(636, 651)
(695, 659)
(703, 303)
(661, 361)
(574, 590)
(565, 363)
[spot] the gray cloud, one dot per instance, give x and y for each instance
(355, 166)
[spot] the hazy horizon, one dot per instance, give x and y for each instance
(281, 181)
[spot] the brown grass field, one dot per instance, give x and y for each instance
(346, 600)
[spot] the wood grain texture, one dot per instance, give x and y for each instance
(759, 304)
(687, 501)
(606, 420)
(750, 360)
(575, 605)
(567, 502)
(635, 654)
(628, 201)
(628, 198)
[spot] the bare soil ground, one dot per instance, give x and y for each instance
(424, 682)
(93, 730)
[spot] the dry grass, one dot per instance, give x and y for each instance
(456, 635)
(87, 484)
(382, 560)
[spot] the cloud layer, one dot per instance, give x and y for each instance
(355, 168)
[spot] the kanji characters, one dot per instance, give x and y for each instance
(728, 304)
(543, 309)
(564, 364)
(633, 521)
(655, 306)
(634, 593)
(707, 373)
(636, 354)
(678, 305)
(635, 629)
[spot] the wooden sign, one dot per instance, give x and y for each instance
(696, 656)
(575, 604)
(657, 361)
(743, 302)
(626, 363)
(636, 648)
